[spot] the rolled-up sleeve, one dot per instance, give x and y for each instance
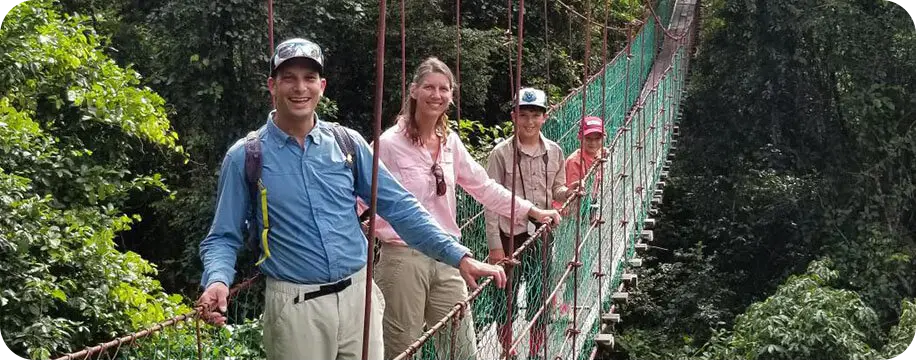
(404, 212)
(219, 249)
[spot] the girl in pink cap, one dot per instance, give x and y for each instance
(579, 162)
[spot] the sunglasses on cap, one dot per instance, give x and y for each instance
(296, 48)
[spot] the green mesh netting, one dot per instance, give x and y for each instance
(638, 156)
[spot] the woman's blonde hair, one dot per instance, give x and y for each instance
(412, 130)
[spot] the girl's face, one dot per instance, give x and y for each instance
(592, 143)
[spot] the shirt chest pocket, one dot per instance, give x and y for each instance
(507, 176)
(447, 162)
(536, 174)
(553, 170)
(279, 178)
(413, 176)
(328, 160)
(327, 167)
(276, 165)
(534, 168)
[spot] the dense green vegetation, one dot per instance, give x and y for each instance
(71, 124)
(788, 224)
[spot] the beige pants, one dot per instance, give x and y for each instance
(419, 289)
(328, 327)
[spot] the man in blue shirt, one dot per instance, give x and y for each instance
(314, 255)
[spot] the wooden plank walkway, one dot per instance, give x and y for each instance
(684, 12)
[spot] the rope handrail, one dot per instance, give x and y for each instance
(569, 268)
(667, 72)
(149, 331)
(643, 137)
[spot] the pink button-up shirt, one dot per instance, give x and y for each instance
(412, 166)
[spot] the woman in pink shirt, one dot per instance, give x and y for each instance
(430, 160)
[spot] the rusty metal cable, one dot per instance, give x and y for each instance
(373, 202)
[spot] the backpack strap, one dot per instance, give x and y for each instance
(347, 147)
(257, 192)
(253, 163)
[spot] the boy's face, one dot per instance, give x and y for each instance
(528, 122)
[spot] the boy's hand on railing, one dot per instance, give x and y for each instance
(497, 255)
(551, 217)
(573, 186)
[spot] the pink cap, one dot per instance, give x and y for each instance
(591, 125)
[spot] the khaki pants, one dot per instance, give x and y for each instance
(419, 290)
(328, 327)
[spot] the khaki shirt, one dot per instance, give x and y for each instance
(542, 180)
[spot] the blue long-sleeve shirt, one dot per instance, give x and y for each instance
(315, 235)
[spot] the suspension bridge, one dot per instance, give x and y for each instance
(595, 250)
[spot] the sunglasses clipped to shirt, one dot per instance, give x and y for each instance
(440, 180)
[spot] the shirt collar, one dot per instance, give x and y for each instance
(318, 133)
(541, 150)
(281, 137)
(587, 157)
(400, 128)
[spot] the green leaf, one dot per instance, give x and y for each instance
(58, 294)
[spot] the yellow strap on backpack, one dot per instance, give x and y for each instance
(266, 228)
